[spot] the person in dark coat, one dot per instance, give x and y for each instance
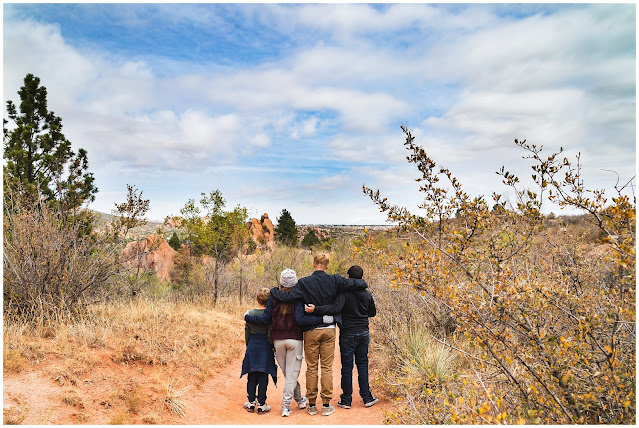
(259, 360)
(356, 307)
(319, 289)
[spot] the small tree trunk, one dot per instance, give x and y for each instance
(241, 282)
(215, 289)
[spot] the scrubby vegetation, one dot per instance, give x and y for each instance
(488, 311)
(540, 317)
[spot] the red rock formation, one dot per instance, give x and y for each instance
(320, 233)
(154, 252)
(262, 231)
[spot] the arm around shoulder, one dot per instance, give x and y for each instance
(303, 319)
(336, 307)
(372, 310)
(265, 318)
(349, 284)
(286, 296)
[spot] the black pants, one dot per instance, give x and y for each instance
(259, 381)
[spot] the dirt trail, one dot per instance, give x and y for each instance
(220, 402)
(39, 393)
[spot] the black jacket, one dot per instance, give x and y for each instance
(355, 306)
(320, 289)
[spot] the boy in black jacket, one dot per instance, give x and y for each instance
(356, 306)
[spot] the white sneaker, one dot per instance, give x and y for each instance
(327, 410)
(285, 412)
(263, 408)
(303, 403)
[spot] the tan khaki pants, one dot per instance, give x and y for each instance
(319, 347)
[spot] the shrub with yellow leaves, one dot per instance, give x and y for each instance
(545, 328)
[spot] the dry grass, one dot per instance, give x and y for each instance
(71, 398)
(120, 418)
(13, 415)
(165, 339)
(12, 360)
(131, 395)
(174, 398)
(425, 355)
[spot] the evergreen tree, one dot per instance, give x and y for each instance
(37, 154)
(286, 231)
(174, 242)
(310, 239)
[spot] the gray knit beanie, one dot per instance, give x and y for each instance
(288, 278)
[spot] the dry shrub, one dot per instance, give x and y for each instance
(12, 360)
(131, 395)
(52, 262)
(544, 324)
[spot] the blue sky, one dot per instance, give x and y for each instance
(297, 105)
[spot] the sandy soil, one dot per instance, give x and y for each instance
(50, 393)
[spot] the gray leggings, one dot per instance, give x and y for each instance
(289, 356)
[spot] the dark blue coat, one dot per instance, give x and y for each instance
(259, 356)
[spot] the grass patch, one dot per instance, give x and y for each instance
(131, 396)
(174, 399)
(13, 416)
(425, 355)
(120, 418)
(12, 360)
(73, 399)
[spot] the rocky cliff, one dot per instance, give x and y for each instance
(154, 252)
(262, 231)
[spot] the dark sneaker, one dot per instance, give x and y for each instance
(327, 410)
(312, 409)
(250, 407)
(263, 408)
(374, 401)
(343, 405)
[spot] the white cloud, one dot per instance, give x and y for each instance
(466, 80)
(305, 128)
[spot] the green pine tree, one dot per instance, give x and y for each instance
(174, 242)
(286, 230)
(310, 239)
(37, 154)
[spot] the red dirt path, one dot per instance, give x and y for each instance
(43, 397)
(220, 402)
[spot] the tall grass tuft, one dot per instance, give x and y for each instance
(174, 398)
(425, 355)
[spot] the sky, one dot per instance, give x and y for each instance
(296, 106)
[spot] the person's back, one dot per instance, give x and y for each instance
(319, 288)
(283, 324)
(355, 306)
(358, 308)
(259, 361)
(286, 322)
